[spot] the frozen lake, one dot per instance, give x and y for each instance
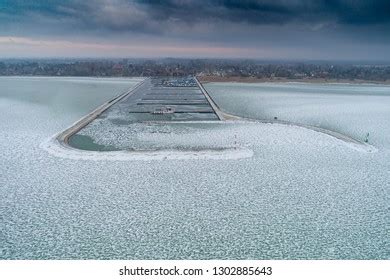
(302, 195)
(354, 110)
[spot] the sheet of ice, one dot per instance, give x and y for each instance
(354, 110)
(302, 195)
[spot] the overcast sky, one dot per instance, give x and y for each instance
(264, 29)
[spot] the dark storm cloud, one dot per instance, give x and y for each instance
(325, 28)
(153, 15)
(360, 11)
(272, 11)
(256, 12)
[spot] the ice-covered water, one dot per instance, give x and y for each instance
(303, 194)
(351, 109)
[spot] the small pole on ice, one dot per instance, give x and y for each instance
(366, 139)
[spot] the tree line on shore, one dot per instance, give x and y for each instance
(199, 67)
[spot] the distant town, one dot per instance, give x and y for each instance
(206, 69)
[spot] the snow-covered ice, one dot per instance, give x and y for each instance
(350, 109)
(302, 194)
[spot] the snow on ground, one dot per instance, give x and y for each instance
(302, 194)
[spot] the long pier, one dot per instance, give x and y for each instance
(150, 97)
(173, 100)
(64, 136)
(221, 115)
